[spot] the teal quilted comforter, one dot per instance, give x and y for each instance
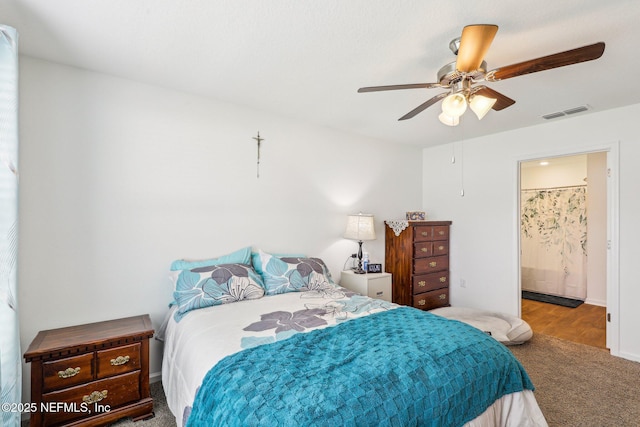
(402, 367)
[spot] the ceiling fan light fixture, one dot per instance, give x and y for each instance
(449, 120)
(481, 105)
(454, 105)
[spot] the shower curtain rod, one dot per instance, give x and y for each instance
(553, 188)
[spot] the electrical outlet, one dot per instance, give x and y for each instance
(463, 283)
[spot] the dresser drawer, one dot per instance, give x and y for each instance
(435, 248)
(427, 265)
(422, 249)
(429, 282)
(118, 360)
(427, 233)
(85, 400)
(63, 373)
(432, 299)
(422, 233)
(441, 232)
(441, 247)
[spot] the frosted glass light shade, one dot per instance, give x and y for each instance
(481, 105)
(449, 120)
(360, 227)
(454, 105)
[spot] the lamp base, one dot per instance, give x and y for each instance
(358, 269)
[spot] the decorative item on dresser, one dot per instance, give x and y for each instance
(91, 375)
(417, 255)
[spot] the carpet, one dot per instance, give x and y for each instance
(552, 299)
(580, 385)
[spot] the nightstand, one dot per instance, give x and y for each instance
(91, 375)
(374, 285)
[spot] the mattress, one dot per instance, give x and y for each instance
(204, 337)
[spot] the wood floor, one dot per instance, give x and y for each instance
(585, 324)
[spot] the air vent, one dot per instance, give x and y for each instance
(553, 115)
(575, 110)
(568, 112)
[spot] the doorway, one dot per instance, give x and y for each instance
(563, 246)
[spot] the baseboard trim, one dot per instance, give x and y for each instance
(155, 377)
(597, 302)
(629, 356)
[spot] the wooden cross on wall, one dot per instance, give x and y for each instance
(258, 140)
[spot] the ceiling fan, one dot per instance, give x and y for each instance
(462, 76)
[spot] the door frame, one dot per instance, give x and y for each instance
(612, 150)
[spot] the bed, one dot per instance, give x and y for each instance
(308, 352)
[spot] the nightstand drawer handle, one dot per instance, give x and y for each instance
(422, 302)
(443, 279)
(442, 296)
(68, 373)
(433, 264)
(95, 396)
(120, 360)
(422, 283)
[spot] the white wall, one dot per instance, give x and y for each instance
(596, 229)
(485, 225)
(117, 179)
(559, 172)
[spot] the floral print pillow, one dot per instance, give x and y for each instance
(293, 274)
(215, 285)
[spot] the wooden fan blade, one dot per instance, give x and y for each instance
(569, 57)
(474, 44)
(397, 87)
(502, 100)
(420, 108)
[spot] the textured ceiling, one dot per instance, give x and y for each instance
(305, 59)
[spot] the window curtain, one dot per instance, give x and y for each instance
(554, 241)
(10, 357)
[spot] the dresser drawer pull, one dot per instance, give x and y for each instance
(433, 264)
(443, 279)
(441, 232)
(68, 373)
(422, 283)
(120, 360)
(422, 302)
(424, 250)
(95, 396)
(425, 233)
(441, 248)
(442, 296)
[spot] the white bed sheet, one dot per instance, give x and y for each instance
(205, 336)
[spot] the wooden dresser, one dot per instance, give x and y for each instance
(91, 375)
(417, 256)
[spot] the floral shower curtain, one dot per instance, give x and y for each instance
(10, 359)
(554, 241)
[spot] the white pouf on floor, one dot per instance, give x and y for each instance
(509, 330)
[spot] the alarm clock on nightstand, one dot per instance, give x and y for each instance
(374, 268)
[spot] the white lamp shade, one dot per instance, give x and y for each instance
(449, 120)
(481, 105)
(454, 105)
(360, 227)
